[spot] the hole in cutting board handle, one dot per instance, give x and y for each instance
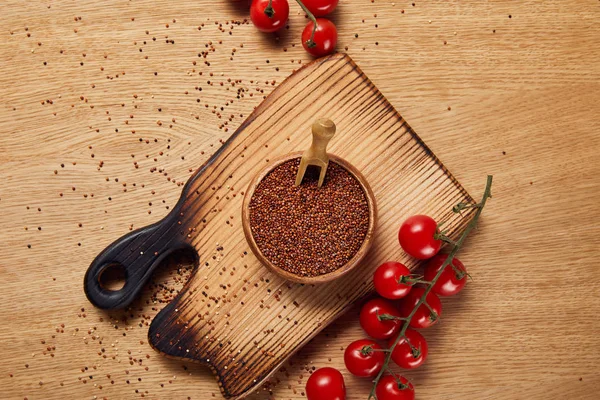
(113, 277)
(134, 256)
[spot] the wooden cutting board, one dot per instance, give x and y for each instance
(234, 315)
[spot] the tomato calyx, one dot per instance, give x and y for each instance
(460, 274)
(366, 350)
(401, 385)
(433, 315)
(310, 43)
(416, 352)
(269, 12)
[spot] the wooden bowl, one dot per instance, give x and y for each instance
(353, 262)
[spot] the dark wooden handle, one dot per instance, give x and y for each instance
(138, 254)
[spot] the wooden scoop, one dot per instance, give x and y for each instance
(323, 130)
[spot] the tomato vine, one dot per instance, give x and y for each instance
(456, 245)
(310, 43)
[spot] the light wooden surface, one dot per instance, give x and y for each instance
(520, 103)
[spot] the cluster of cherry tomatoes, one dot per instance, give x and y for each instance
(382, 318)
(272, 15)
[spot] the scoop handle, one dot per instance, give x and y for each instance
(323, 130)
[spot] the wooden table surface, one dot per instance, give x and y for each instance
(107, 107)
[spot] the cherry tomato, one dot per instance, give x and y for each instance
(394, 388)
(424, 317)
(266, 23)
(387, 280)
(416, 237)
(372, 324)
(362, 358)
(320, 8)
(412, 353)
(325, 38)
(326, 384)
(450, 281)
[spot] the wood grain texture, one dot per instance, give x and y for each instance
(520, 330)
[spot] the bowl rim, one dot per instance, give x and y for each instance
(356, 258)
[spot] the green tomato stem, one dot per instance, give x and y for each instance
(442, 236)
(413, 281)
(456, 246)
(459, 273)
(366, 350)
(382, 350)
(269, 11)
(433, 315)
(310, 42)
(389, 317)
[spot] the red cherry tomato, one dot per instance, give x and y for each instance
(372, 324)
(387, 280)
(450, 281)
(325, 38)
(424, 317)
(326, 384)
(320, 8)
(394, 388)
(266, 23)
(412, 353)
(362, 358)
(416, 237)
